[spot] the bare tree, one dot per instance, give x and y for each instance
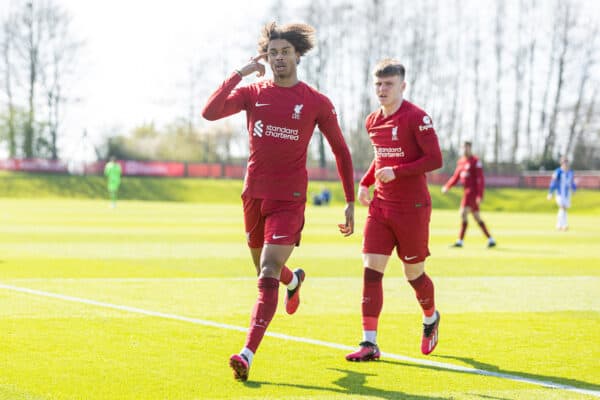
(500, 84)
(276, 11)
(567, 23)
(191, 86)
(476, 81)
(38, 54)
(552, 56)
(29, 46)
(499, 48)
(421, 51)
(58, 53)
(590, 115)
(584, 78)
(323, 16)
(519, 77)
(455, 46)
(7, 51)
(375, 38)
(586, 149)
(531, 54)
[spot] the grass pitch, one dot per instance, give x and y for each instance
(173, 287)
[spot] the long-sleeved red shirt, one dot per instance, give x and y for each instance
(470, 172)
(407, 142)
(281, 121)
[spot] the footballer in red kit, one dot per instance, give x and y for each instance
(281, 117)
(280, 122)
(406, 147)
(405, 142)
(469, 170)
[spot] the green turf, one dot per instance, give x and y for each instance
(529, 307)
(27, 186)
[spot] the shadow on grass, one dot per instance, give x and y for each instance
(483, 396)
(352, 383)
(495, 369)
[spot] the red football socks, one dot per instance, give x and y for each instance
(286, 275)
(264, 309)
(463, 229)
(425, 293)
(372, 300)
(484, 229)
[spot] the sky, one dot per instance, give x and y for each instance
(137, 58)
(134, 65)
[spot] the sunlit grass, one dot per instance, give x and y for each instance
(528, 307)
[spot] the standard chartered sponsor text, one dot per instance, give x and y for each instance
(282, 132)
(389, 152)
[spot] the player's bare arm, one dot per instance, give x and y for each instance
(347, 229)
(332, 132)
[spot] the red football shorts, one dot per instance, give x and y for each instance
(469, 200)
(407, 229)
(273, 221)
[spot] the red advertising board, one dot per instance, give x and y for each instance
(34, 165)
(584, 179)
(153, 168)
(205, 170)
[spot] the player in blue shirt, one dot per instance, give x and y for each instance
(563, 183)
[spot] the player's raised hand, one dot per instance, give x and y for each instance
(347, 229)
(254, 65)
(385, 174)
(364, 197)
(444, 190)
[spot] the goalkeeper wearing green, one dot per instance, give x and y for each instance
(112, 171)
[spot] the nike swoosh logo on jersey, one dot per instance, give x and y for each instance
(261, 104)
(275, 237)
(409, 258)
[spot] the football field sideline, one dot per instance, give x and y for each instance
(442, 365)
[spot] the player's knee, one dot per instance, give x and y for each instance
(375, 267)
(270, 268)
(413, 271)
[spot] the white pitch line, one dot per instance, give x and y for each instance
(419, 361)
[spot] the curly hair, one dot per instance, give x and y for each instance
(389, 67)
(301, 36)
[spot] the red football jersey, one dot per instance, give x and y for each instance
(281, 121)
(407, 142)
(470, 172)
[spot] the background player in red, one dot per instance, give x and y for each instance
(281, 117)
(406, 147)
(469, 170)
